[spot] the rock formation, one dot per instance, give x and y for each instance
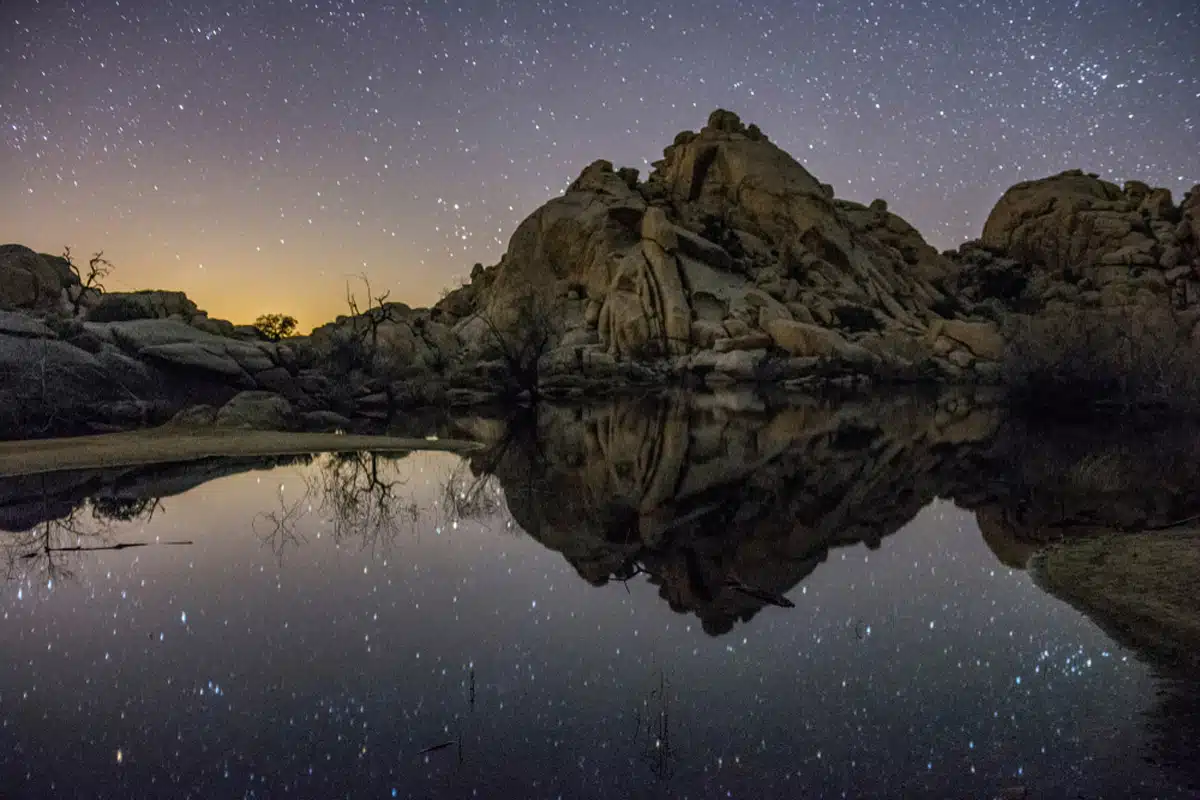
(729, 247)
(61, 375)
(730, 263)
(30, 280)
(1073, 243)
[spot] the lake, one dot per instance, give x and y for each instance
(658, 597)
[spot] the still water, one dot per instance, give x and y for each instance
(308, 641)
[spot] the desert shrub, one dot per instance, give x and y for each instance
(1081, 362)
(347, 353)
(519, 335)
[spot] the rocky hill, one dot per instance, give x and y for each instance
(729, 259)
(730, 263)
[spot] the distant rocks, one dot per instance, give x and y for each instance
(64, 374)
(1075, 244)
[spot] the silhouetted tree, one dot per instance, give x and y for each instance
(275, 326)
(98, 269)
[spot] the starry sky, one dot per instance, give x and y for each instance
(258, 153)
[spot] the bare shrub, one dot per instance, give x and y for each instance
(520, 334)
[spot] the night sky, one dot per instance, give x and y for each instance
(256, 154)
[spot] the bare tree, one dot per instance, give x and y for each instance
(98, 269)
(365, 324)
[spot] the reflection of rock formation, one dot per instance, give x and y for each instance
(29, 500)
(1069, 482)
(701, 491)
(698, 494)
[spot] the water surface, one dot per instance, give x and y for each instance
(332, 622)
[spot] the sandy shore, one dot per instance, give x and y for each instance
(1139, 587)
(160, 446)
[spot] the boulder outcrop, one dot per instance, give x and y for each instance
(31, 280)
(59, 375)
(731, 263)
(1073, 243)
(728, 245)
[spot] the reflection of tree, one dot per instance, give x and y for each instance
(45, 552)
(359, 492)
(521, 457)
(278, 529)
(124, 509)
(467, 496)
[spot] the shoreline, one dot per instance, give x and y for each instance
(166, 445)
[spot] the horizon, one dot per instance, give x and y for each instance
(408, 146)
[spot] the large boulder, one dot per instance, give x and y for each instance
(16, 324)
(256, 410)
(802, 339)
(1099, 236)
(175, 344)
(30, 280)
(149, 304)
(1072, 266)
(983, 339)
